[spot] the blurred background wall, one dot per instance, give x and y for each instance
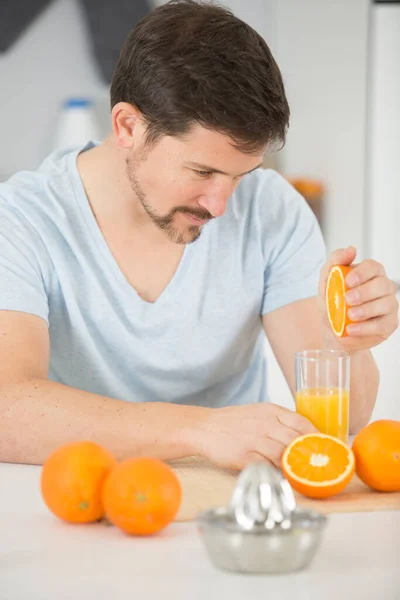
(326, 53)
(320, 46)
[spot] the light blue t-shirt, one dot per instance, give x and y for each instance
(202, 341)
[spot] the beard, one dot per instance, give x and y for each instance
(178, 235)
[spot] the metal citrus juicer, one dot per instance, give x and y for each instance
(261, 530)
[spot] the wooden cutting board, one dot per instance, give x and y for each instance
(206, 486)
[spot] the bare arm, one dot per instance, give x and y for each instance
(297, 327)
(37, 415)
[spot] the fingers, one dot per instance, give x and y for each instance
(274, 433)
(342, 256)
(273, 446)
(380, 327)
(371, 290)
(372, 301)
(374, 308)
(373, 304)
(255, 457)
(283, 434)
(269, 450)
(364, 271)
(254, 432)
(294, 421)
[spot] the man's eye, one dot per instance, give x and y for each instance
(204, 173)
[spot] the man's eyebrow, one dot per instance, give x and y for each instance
(212, 170)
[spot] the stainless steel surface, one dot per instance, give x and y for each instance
(262, 496)
(232, 548)
(261, 530)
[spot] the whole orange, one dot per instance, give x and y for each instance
(71, 481)
(142, 495)
(377, 452)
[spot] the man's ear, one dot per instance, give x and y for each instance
(127, 124)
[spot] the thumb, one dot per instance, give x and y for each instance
(343, 256)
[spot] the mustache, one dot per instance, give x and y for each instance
(199, 214)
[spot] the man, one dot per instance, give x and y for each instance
(137, 275)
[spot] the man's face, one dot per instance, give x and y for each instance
(182, 183)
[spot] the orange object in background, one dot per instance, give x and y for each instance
(335, 299)
(71, 481)
(327, 409)
(313, 192)
(377, 452)
(318, 465)
(142, 495)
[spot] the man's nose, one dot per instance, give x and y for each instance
(215, 200)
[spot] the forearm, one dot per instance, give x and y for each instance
(364, 383)
(38, 415)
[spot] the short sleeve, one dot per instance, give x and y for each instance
(293, 246)
(24, 263)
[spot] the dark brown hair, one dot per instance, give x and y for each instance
(189, 61)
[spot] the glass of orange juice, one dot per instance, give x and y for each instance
(322, 390)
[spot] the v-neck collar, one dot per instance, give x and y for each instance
(169, 292)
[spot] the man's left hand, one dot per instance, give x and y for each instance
(371, 299)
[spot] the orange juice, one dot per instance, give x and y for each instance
(327, 409)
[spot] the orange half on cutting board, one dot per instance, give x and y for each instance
(318, 465)
(335, 299)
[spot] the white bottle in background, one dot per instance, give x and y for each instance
(77, 124)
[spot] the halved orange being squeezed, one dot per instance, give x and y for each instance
(335, 301)
(318, 465)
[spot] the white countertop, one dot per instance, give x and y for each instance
(42, 558)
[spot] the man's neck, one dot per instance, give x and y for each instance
(113, 202)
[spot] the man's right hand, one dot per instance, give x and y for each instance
(234, 436)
